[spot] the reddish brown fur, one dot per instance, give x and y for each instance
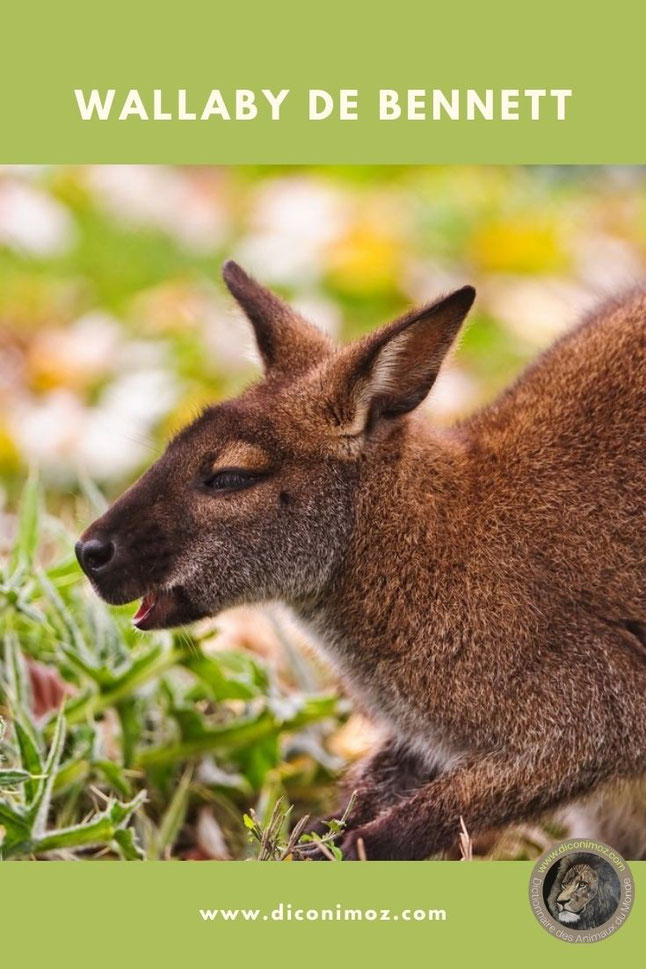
(482, 590)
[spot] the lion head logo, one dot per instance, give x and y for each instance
(585, 892)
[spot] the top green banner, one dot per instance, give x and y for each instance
(295, 83)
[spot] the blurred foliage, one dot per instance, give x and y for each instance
(114, 330)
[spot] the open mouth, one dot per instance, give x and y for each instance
(161, 609)
(155, 610)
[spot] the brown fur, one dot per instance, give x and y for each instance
(481, 590)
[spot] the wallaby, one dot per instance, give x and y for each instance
(481, 590)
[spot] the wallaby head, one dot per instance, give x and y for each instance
(256, 499)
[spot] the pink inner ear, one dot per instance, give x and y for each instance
(390, 372)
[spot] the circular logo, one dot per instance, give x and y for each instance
(581, 891)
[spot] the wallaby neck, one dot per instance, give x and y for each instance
(406, 548)
(391, 620)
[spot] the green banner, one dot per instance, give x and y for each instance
(176, 914)
(353, 83)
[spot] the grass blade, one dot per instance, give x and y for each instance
(40, 807)
(24, 548)
(174, 815)
(12, 776)
(29, 756)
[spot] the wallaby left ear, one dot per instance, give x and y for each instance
(287, 343)
(391, 371)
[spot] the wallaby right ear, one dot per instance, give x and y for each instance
(391, 371)
(287, 343)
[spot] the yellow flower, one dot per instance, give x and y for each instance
(521, 245)
(366, 260)
(9, 456)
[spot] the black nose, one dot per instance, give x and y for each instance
(94, 554)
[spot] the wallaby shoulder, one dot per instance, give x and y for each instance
(592, 381)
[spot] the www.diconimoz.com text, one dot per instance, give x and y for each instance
(285, 912)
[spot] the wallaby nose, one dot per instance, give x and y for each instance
(94, 554)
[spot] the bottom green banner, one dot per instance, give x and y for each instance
(108, 913)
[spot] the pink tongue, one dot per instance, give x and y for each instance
(144, 610)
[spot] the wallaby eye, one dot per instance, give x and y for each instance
(230, 479)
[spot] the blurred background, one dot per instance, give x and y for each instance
(114, 326)
(115, 330)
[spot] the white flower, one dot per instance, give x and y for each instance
(294, 220)
(140, 355)
(300, 208)
(454, 392)
(108, 441)
(322, 312)
(536, 310)
(275, 259)
(141, 396)
(426, 280)
(33, 222)
(31, 172)
(116, 437)
(48, 431)
(165, 198)
(606, 264)
(228, 336)
(86, 348)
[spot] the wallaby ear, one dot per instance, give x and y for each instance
(288, 344)
(391, 371)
